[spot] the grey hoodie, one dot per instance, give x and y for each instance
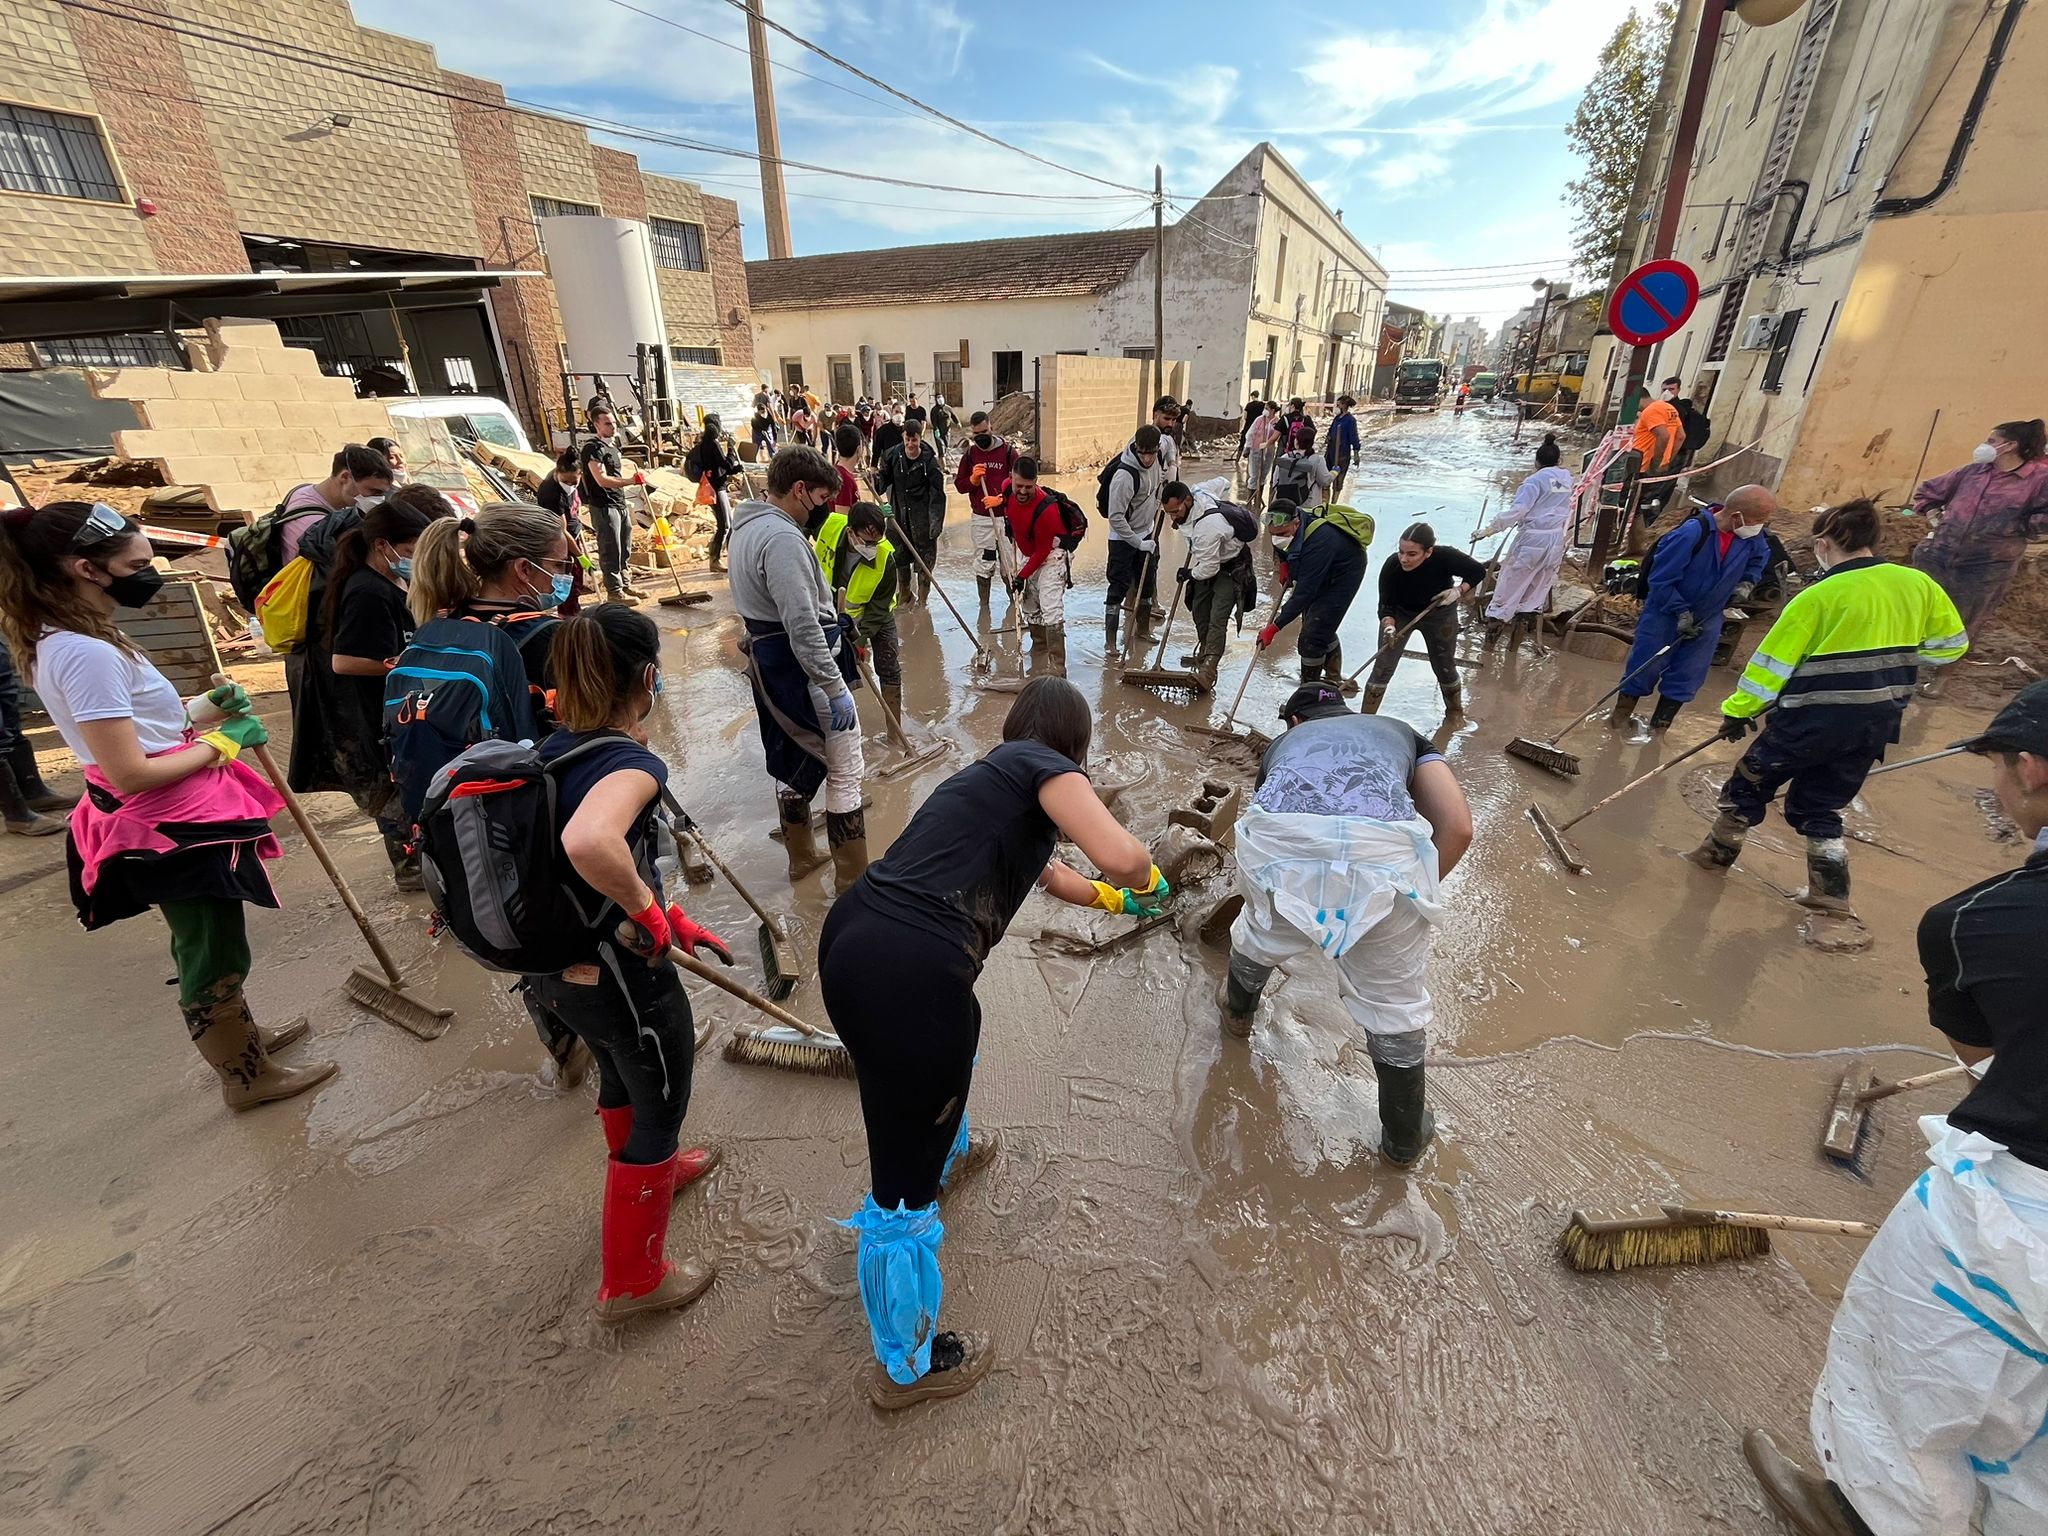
(776, 579)
(1134, 498)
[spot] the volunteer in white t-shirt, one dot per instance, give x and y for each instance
(171, 818)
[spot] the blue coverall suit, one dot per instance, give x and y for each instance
(1689, 575)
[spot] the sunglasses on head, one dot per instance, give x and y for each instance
(101, 523)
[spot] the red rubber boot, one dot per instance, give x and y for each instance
(692, 1163)
(638, 1275)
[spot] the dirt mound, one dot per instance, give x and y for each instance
(1902, 530)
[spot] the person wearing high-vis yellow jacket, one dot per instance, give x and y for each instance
(1834, 674)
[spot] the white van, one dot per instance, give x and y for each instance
(469, 418)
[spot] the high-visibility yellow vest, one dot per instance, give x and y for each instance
(866, 580)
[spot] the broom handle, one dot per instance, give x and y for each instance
(1173, 611)
(1251, 665)
(1637, 783)
(1925, 1079)
(1401, 635)
(1610, 693)
(1820, 1224)
(668, 544)
(745, 994)
(867, 674)
(348, 897)
(1915, 762)
(965, 629)
(682, 818)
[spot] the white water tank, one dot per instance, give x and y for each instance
(610, 299)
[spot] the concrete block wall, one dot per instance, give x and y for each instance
(251, 420)
(689, 305)
(1090, 406)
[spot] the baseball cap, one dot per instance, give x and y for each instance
(1281, 513)
(1312, 698)
(2022, 726)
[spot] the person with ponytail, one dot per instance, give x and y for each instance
(713, 468)
(353, 642)
(623, 999)
(172, 818)
(1529, 567)
(480, 666)
(1983, 514)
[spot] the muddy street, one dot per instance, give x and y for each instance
(1216, 1308)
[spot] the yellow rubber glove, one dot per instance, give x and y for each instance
(235, 733)
(1148, 902)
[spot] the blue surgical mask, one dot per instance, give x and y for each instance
(559, 590)
(401, 568)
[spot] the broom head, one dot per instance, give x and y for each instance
(685, 599)
(780, 1046)
(1848, 1124)
(1554, 840)
(778, 963)
(1613, 1240)
(1544, 755)
(395, 1006)
(1161, 677)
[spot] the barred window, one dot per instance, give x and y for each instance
(557, 208)
(139, 349)
(694, 355)
(677, 244)
(55, 153)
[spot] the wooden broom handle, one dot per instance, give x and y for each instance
(965, 628)
(1906, 1084)
(1819, 1224)
(1250, 666)
(747, 995)
(1402, 634)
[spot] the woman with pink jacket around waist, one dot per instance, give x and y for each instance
(1987, 511)
(171, 817)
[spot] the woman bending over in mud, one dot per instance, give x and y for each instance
(932, 908)
(623, 999)
(171, 818)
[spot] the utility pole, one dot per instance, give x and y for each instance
(1158, 282)
(767, 138)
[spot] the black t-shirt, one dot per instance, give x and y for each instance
(370, 620)
(1987, 977)
(975, 848)
(615, 753)
(888, 435)
(607, 458)
(557, 498)
(915, 413)
(1410, 591)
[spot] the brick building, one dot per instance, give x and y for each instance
(173, 137)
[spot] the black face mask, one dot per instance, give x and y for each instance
(138, 589)
(983, 439)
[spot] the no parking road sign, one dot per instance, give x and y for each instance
(1652, 302)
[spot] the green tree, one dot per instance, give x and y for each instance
(1609, 132)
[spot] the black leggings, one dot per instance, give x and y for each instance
(914, 1059)
(636, 1021)
(721, 511)
(1439, 631)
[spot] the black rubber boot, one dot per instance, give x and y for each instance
(1827, 876)
(21, 757)
(1494, 629)
(847, 832)
(1666, 712)
(20, 820)
(1623, 711)
(983, 582)
(1406, 1125)
(1724, 842)
(1238, 1007)
(1111, 616)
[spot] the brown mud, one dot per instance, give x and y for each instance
(1216, 1308)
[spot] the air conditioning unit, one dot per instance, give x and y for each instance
(1757, 332)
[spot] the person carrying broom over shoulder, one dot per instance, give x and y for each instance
(932, 908)
(1936, 1382)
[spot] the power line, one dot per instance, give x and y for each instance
(1498, 266)
(271, 48)
(861, 74)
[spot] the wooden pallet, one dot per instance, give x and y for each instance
(176, 634)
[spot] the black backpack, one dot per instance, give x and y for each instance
(1104, 480)
(491, 856)
(1243, 526)
(457, 683)
(1073, 521)
(1641, 591)
(693, 463)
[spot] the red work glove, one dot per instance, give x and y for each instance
(655, 931)
(1285, 576)
(639, 477)
(1268, 635)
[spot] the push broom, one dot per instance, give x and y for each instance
(1547, 754)
(1684, 1234)
(779, 962)
(913, 757)
(984, 662)
(1845, 1138)
(666, 541)
(789, 1043)
(1553, 833)
(1158, 675)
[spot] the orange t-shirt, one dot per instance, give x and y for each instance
(1655, 414)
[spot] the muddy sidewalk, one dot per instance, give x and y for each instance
(1216, 1309)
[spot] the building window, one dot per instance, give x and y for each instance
(1781, 350)
(1720, 132)
(460, 375)
(555, 208)
(1763, 84)
(792, 375)
(946, 377)
(55, 153)
(895, 380)
(694, 355)
(1857, 147)
(141, 349)
(677, 244)
(1724, 322)
(1009, 373)
(840, 370)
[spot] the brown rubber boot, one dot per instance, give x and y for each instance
(1370, 703)
(1333, 673)
(1056, 654)
(1812, 1504)
(959, 1361)
(1494, 630)
(1724, 843)
(1205, 674)
(1623, 711)
(1454, 704)
(14, 807)
(924, 590)
(982, 583)
(892, 695)
(227, 1037)
(290, 1032)
(798, 836)
(1517, 627)
(29, 779)
(847, 832)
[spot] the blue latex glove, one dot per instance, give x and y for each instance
(844, 716)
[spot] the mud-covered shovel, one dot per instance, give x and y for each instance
(384, 995)
(984, 661)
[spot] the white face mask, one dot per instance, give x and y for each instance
(1983, 453)
(1824, 561)
(1749, 530)
(865, 551)
(366, 503)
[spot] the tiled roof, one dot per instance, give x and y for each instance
(1022, 267)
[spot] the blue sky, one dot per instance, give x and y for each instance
(1437, 128)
